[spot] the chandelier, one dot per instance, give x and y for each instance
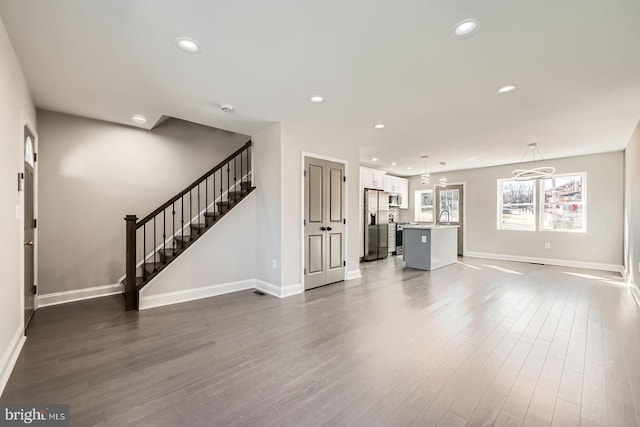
(535, 172)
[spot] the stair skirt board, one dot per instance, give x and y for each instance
(186, 295)
(10, 356)
(55, 298)
(167, 243)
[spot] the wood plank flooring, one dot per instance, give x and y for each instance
(478, 343)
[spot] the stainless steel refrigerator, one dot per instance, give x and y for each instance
(376, 231)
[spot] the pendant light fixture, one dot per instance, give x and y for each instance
(425, 178)
(535, 172)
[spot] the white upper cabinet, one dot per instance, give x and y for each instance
(391, 184)
(404, 192)
(372, 178)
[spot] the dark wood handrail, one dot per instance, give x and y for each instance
(192, 186)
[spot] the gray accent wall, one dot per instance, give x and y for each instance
(632, 207)
(15, 101)
(93, 173)
(601, 244)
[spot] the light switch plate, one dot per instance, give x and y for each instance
(424, 239)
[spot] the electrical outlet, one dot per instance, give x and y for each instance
(547, 245)
(274, 264)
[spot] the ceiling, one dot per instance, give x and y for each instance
(575, 63)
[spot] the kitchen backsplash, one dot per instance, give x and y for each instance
(394, 213)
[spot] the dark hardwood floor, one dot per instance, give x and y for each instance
(477, 343)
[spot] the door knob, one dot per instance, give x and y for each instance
(29, 243)
(329, 228)
(323, 228)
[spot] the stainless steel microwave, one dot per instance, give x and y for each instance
(395, 199)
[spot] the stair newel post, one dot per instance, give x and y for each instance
(206, 195)
(198, 207)
(190, 213)
(228, 186)
(220, 205)
(130, 288)
(241, 172)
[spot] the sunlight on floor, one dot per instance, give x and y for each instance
(504, 270)
(469, 265)
(622, 283)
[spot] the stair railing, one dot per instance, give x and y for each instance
(210, 196)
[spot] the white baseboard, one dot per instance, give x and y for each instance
(10, 356)
(193, 294)
(78, 295)
(277, 291)
(549, 261)
(354, 274)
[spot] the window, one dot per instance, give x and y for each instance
(564, 204)
(449, 201)
(516, 205)
(424, 206)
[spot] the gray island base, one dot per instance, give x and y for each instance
(427, 247)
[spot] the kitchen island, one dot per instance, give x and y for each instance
(427, 247)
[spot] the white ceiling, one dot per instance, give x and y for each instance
(576, 64)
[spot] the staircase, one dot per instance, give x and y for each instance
(163, 235)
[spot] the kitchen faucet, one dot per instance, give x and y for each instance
(440, 219)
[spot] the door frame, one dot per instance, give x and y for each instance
(346, 209)
(26, 122)
(464, 211)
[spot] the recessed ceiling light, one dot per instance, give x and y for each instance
(378, 126)
(394, 164)
(506, 88)
(409, 168)
(375, 159)
(466, 28)
(187, 44)
(470, 159)
(139, 118)
(317, 99)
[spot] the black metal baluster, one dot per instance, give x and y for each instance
(220, 192)
(214, 194)
(198, 222)
(164, 233)
(155, 246)
(173, 223)
(235, 173)
(206, 196)
(190, 215)
(182, 220)
(241, 172)
(228, 186)
(144, 252)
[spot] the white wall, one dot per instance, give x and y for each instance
(601, 244)
(222, 260)
(14, 101)
(295, 141)
(267, 180)
(93, 173)
(632, 207)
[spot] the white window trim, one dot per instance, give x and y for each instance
(584, 205)
(417, 205)
(499, 207)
